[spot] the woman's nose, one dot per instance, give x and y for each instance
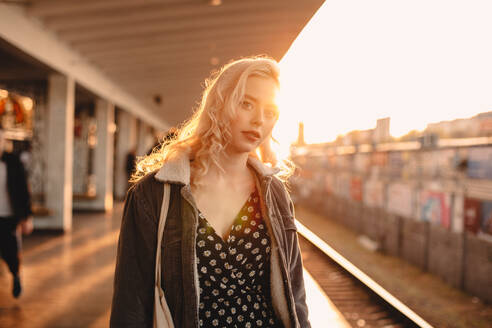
(258, 117)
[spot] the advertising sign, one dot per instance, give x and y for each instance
(306, 174)
(343, 185)
(356, 189)
(362, 162)
(15, 111)
(379, 159)
(473, 213)
(318, 181)
(330, 183)
(429, 163)
(486, 222)
(435, 207)
(395, 164)
(344, 162)
(480, 163)
(447, 161)
(332, 161)
(412, 168)
(400, 199)
(458, 220)
(373, 194)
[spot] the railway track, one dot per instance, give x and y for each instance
(359, 299)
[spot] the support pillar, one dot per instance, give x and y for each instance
(126, 142)
(145, 139)
(104, 155)
(61, 103)
(103, 160)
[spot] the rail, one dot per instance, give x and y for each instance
(361, 276)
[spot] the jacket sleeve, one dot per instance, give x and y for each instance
(297, 279)
(133, 297)
(293, 253)
(18, 188)
(25, 192)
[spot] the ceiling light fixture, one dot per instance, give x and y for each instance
(215, 2)
(214, 61)
(16, 2)
(157, 99)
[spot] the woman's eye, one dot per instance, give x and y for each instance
(270, 113)
(247, 105)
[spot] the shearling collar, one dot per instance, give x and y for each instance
(177, 169)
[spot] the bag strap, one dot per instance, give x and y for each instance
(160, 232)
(162, 315)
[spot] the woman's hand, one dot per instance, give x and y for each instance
(26, 226)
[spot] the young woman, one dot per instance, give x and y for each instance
(230, 254)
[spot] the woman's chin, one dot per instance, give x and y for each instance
(242, 149)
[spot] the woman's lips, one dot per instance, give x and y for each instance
(252, 135)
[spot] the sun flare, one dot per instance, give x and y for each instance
(357, 61)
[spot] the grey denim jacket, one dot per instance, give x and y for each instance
(133, 299)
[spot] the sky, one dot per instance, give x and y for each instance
(359, 60)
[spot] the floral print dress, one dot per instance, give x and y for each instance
(234, 275)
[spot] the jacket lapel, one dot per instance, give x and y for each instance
(277, 286)
(177, 170)
(188, 254)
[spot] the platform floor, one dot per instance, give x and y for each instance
(68, 279)
(430, 297)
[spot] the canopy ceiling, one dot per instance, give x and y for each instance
(166, 48)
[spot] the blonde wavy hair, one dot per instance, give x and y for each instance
(207, 133)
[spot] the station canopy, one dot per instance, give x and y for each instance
(157, 53)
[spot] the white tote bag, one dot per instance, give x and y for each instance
(162, 315)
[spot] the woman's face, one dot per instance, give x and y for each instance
(256, 115)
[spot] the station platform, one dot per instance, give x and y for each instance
(68, 279)
(427, 295)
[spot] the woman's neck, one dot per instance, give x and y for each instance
(234, 171)
(234, 165)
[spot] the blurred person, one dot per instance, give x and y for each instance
(25, 156)
(170, 135)
(230, 253)
(15, 211)
(131, 158)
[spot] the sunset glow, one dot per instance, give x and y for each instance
(415, 61)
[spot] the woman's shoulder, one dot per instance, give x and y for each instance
(146, 194)
(279, 186)
(282, 197)
(147, 183)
